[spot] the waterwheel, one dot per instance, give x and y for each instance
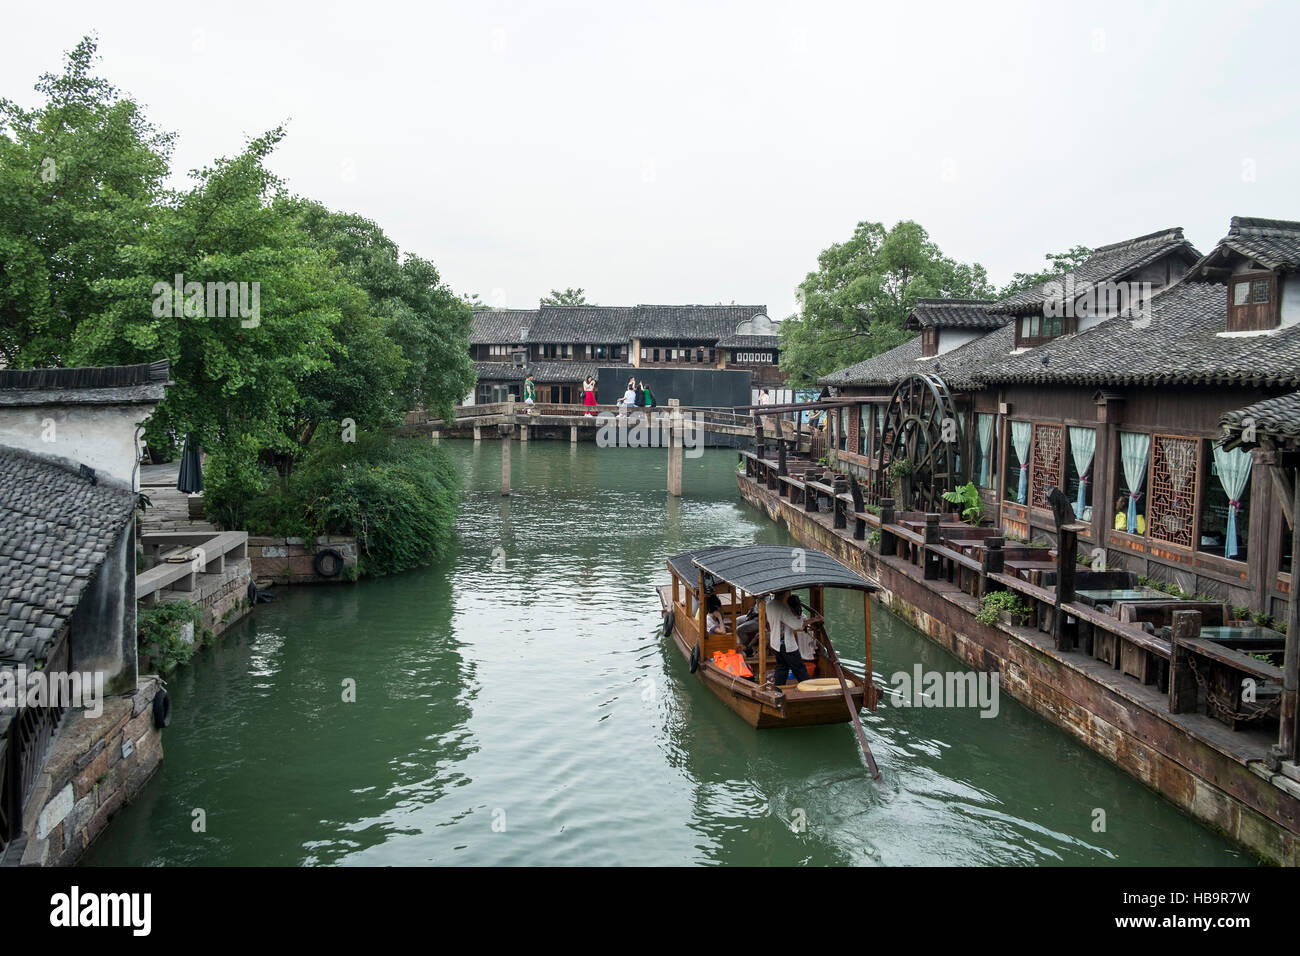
(922, 428)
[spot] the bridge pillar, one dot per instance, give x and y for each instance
(478, 432)
(573, 434)
(675, 447)
(505, 459)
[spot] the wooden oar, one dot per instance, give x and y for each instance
(848, 699)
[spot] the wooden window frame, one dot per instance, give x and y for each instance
(1152, 515)
(1069, 325)
(1250, 317)
(1057, 479)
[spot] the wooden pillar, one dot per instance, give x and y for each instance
(991, 563)
(735, 612)
(1182, 682)
(810, 494)
(762, 640)
(838, 507)
(1289, 732)
(888, 543)
(701, 615)
(674, 447)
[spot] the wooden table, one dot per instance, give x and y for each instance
(1031, 571)
(967, 545)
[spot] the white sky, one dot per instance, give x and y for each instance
(706, 152)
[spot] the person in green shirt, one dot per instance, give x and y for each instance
(530, 392)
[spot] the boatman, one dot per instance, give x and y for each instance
(784, 623)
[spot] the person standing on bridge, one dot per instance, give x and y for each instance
(647, 396)
(530, 391)
(589, 395)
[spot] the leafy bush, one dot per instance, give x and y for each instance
(397, 496)
(995, 602)
(968, 496)
(160, 632)
(232, 480)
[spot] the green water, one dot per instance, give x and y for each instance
(532, 714)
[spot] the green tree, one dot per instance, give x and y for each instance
(855, 304)
(567, 297)
(79, 179)
(1061, 263)
(233, 376)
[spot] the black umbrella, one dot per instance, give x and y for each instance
(191, 476)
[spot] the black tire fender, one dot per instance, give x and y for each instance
(162, 709)
(695, 658)
(328, 563)
(669, 622)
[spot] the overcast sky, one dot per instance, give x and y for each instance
(707, 152)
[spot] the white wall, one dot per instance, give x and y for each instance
(950, 339)
(101, 437)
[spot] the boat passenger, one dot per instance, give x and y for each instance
(784, 623)
(714, 619)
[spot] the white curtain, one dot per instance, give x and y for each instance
(1020, 435)
(985, 427)
(1133, 451)
(1234, 473)
(1083, 443)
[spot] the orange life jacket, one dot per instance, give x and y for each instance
(733, 663)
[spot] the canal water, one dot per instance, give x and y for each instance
(516, 704)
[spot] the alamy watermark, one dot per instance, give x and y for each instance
(639, 429)
(946, 689)
(214, 300)
(20, 687)
(1066, 298)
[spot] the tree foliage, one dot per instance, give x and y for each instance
(855, 304)
(567, 297)
(1061, 263)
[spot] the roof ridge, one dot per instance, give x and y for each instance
(1165, 235)
(1262, 227)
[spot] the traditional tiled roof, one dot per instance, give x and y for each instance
(109, 376)
(695, 322)
(750, 342)
(1184, 342)
(56, 529)
(543, 372)
(583, 324)
(1273, 243)
(1274, 420)
(1106, 264)
(954, 314)
(958, 367)
(501, 326)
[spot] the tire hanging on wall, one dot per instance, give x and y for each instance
(328, 563)
(162, 709)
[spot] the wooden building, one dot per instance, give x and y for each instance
(561, 345)
(1109, 383)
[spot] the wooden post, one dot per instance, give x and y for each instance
(735, 612)
(991, 563)
(1289, 732)
(1182, 682)
(674, 447)
(1067, 546)
(888, 543)
(839, 508)
(810, 494)
(762, 640)
(701, 615)
(930, 565)
(505, 459)
(758, 434)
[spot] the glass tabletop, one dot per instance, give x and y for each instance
(1125, 594)
(1246, 635)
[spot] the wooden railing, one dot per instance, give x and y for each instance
(1181, 664)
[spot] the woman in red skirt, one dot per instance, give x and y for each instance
(589, 393)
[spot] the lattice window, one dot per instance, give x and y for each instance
(1048, 460)
(1172, 513)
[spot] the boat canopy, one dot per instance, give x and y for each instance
(766, 569)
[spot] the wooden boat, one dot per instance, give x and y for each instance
(743, 578)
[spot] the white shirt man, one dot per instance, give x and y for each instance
(782, 623)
